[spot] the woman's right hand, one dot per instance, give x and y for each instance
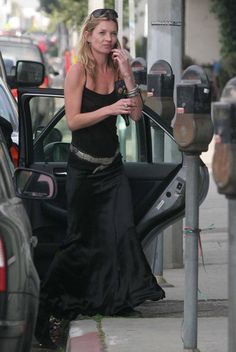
(122, 106)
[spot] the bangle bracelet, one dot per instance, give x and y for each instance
(133, 92)
(132, 95)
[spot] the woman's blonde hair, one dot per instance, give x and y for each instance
(85, 55)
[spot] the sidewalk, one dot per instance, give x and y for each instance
(161, 327)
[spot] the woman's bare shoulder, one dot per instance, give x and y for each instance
(76, 73)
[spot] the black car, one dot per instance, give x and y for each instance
(19, 280)
(154, 165)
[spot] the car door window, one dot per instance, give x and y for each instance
(52, 136)
(128, 140)
(42, 110)
(163, 146)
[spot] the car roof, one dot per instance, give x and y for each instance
(28, 49)
(16, 39)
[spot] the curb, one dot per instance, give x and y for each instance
(83, 336)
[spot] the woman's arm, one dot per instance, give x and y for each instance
(73, 90)
(121, 57)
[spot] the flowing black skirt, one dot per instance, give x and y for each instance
(101, 267)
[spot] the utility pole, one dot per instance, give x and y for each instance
(119, 10)
(164, 42)
(132, 28)
(95, 4)
(165, 24)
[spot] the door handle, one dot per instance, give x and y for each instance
(60, 173)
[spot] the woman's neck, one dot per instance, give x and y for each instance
(101, 62)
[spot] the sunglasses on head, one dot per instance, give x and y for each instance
(108, 13)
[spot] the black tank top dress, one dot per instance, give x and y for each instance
(101, 267)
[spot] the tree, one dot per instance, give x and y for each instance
(225, 11)
(72, 12)
(49, 5)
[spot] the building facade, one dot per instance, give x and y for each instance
(201, 36)
(200, 30)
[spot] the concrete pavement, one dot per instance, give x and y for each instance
(160, 328)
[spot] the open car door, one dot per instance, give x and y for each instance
(153, 163)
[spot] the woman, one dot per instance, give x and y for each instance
(101, 268)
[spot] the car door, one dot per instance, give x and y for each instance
(153, 163)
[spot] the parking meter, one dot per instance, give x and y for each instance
(193, 128)
(160, 86)
(224, 158)
(139, 68)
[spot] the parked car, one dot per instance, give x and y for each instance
(3, 74)
(8, 108)
(153, 163)
(14, 48)
(19, 281)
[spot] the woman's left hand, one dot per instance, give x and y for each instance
(121, 56)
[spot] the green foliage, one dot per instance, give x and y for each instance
(72, 12)
(225, 11)
(49, 5)
(228, 70)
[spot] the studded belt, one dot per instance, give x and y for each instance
(101, 162)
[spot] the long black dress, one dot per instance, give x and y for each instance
(101, 268)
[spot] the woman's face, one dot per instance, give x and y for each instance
(104, 37)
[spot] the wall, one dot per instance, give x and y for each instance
(201, 32)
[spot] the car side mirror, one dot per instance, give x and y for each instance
(28, 74)
(34, 184)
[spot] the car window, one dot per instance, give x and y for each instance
(6, 172)
(52, 136)
(42, 110)
(12, 52)
(7, 109)
(128, 140)
(163, 146)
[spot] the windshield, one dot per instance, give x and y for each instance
(8, 110)
(12, 53)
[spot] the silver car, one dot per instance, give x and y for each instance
(2, 68)
(19, 281)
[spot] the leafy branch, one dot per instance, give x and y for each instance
(225, 12)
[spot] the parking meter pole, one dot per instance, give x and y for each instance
(231, 275)
(193, 131)
(191, 252)
(160, 85)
